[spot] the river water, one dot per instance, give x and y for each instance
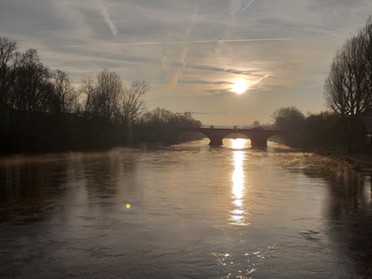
(185, 211)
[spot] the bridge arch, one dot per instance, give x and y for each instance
(234, 135)
(257, 136)
(189, 135)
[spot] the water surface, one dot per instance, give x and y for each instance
(185, 211)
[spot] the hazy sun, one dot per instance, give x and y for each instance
(240, 86)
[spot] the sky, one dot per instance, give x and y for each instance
(192, 52)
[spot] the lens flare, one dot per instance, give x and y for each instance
(128, 206)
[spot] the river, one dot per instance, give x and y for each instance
(184, 211)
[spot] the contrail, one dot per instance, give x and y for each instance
(246, 7)
(175, 79)
(187, 35)
(185, 49)
(107, 18)
(193, 19)
(164, 59)
(207, 41)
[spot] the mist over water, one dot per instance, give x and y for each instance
(184, 211)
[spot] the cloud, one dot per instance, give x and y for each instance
(193, 48)
(198, 81)
(185, 49)
(106, 17)
(246, 7)
(178, 42)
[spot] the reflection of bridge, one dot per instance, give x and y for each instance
(257, 136)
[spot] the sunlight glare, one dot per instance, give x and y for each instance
(240, 86)
(238, 143)
(238, 213)
(238, 175)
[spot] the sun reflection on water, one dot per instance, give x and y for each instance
(238, 191)
(239, 143)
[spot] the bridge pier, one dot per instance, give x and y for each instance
(258, 140)
(215, 141)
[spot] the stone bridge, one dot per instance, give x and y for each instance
(257, 136)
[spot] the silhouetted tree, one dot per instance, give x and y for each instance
(9, 57)
(32, 84)
(160, 117)
(41, 110)
(255, 124)
(66, 97)
(161, 125)
(348, 88)
(320, 130)
(289, 118)
(131, 105)
(103, 103)
(87, 88)
(367, 35)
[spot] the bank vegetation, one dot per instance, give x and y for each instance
(347, 125)
(40, 109)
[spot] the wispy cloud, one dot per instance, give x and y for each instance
(185, 48)
(246, 7)
(106, 17)
(205, 41)
(194, 48)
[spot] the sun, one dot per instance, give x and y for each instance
(240, 86)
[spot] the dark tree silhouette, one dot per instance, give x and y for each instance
(104, 101)
(32, 84)
(9, 57)
(66, 98)
(161, 125)
(348, 88)
(132, 106)
(40, 110)
(289, 118)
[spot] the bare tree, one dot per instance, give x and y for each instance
(347, 86)
(32, 84)
(87, 89)
(368, 55)
(132, 105)
(288, 118)
(160, 117)
(67, 98)
(104, 100)
(8, 63)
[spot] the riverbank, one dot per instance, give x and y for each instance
(359, 161)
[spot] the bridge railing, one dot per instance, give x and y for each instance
(236, 127)
(225, 127)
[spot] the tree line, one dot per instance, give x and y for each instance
(323, 130)
(348, 94)
(40, 109)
